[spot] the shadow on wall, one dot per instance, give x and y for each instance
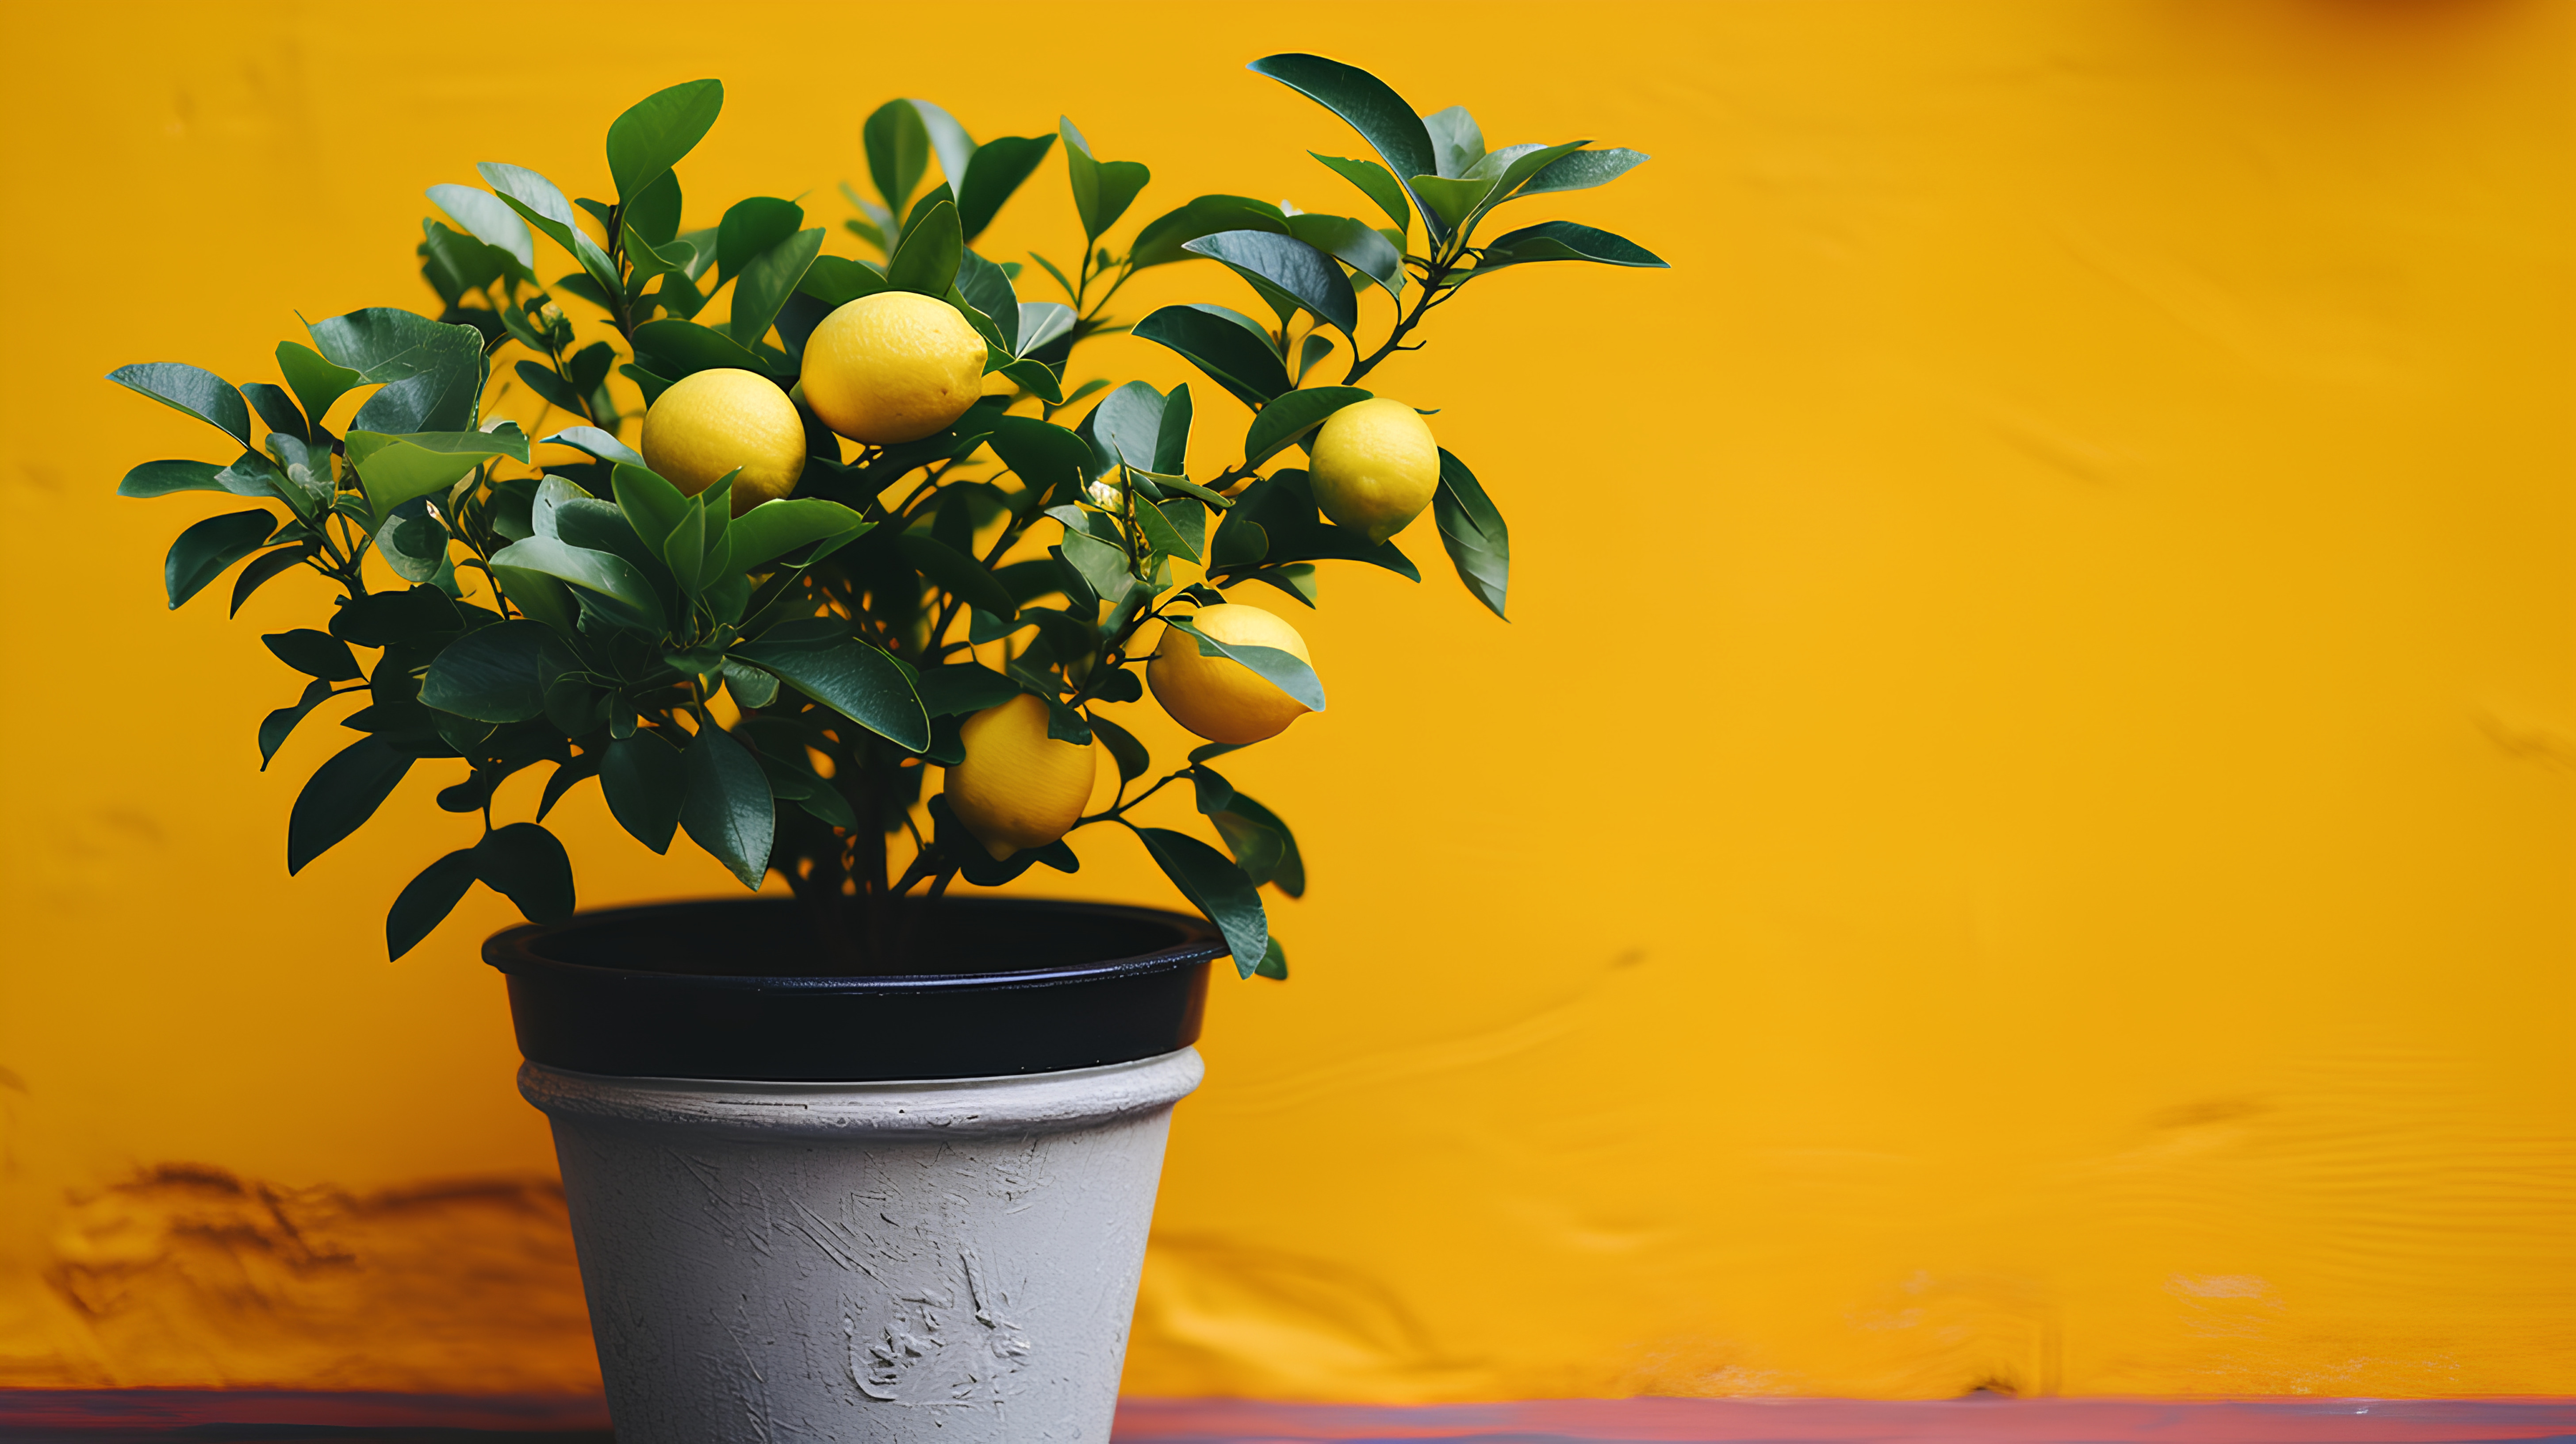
(189, 1275)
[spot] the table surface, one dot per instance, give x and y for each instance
(261, 1416)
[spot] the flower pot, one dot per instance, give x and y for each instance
(847, 1206)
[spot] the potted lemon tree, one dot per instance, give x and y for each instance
(848, 586)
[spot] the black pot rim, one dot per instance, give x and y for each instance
(513, 950)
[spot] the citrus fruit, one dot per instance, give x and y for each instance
(1374, 467)
(895, 366)
(710, 422)
(1219, 698)
(1018, 787)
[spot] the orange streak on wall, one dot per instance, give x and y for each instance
(2019, 835)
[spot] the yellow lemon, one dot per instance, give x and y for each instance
(895, 366)
(710, 422)
(1374, 467)
(1219, 698)
(1017, 787)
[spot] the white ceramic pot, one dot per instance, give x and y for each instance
(863, 1262)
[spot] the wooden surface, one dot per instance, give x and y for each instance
(32, 1416)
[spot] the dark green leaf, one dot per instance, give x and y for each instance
(1378, 184)
(558, 392)
(431, 372)
(1046, 457)
(524, 863)
(1172, 436)
(1231, 348)
(837, 280)
(541, 205)
(1037, 378)
(268, 567)
(1292, 416)
(1163, 238)
(1356, 244)
(774, 528)
(1214, 792)
(654, 216)
(1130, 755)
(488, 219)
(988, 290)
(274, 728)
(726, 805)
(927, 258)
(898, 148)
(1371, 107)
(1479, 544)
(413, 542)
(1447, 202)
(1314, 348)
(496, 674)
(567, 776)
(394, 469)
(677, 348)
(653, 508)
(1128, 425)
(1102, 190)
(315, 654)
(1582, 170)
(1217, 888)
(1263, 846)
(426, 901)
(1457, 143)
(191, 389)
(1287, 671)
(643, 780)
(343, 793)
(948, 140)
(1283, 505)
(957, 573)
(962, 688)
(1274, 963)
(657, 131)
(751, 227)
(1563, 241)
(853, 679)
(999, 166)
(604, 573)
(161, 478)
(422, 616)
(1164, 538)
(768, 280)
(277, 409)
(1506, 170)
(318, 383)
(203, 551)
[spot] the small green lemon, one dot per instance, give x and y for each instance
(710, 422)
(895, 366)
(1018, 787)
(1374, 467)
(1219, 698)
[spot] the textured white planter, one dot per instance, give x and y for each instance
(893, 1262)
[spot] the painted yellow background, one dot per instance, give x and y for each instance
(2020, 834)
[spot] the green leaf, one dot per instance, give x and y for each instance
(317, 383)
(948, 140)
(653, 135)
(1370, 106)
(1037, 378)
(1162, 537)
(1049, 458)
(1582, 170)
(1292, 416)
(1479, 544)
(751, 687)
(1102, 190)
(644, 780)
(1283, 505)
(1457, 143)
(431, 373)
(315, 654)
(426, 901)
(1217, 888)
(191, 389)
(726, 804)
(1214, 792)
(542, 206)
(1128, 425)
(1562, 241)
(791, 782)
(653, 508)
(654, 214)
(774, 528)
(999, 167)
(1262, 845)
(1356, 244)
(1287, 671)
(1230, 347)
(342, 794)
(1130, 755)
(927, 258)
(596, 442)
(751, 227)
(203, 551)
(957, 573)
(496, 674)
(276, 409)
(1162, 240)
(524, 863)
(853, 679)
(161, 478)
(898, 147)
(1314, 348)
(1448, 201)
(266, 568)
(836, 281)
(395, 469)
(677, 348)
(1378, 184)
(274, 728)
(1513, 166)
(1274, 963)
(489, 219)
(603, 573)
(964, 688)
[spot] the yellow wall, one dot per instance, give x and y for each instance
(2020, 834)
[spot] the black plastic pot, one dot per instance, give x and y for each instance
(993, 987)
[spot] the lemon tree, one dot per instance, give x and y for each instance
(842, 564)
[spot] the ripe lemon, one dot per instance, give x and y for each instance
(1374, 467)
(710, 422)
(1219, 698)
(1017, 787)
(895, 366)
